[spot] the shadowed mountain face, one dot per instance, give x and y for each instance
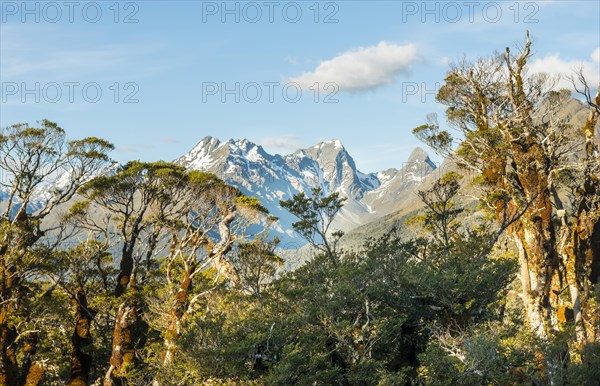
(327, 165)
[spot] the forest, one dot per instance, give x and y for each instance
(150, 274)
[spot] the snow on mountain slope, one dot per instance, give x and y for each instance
(48, 190)
(397, 186)
(327, 165)
(272, 177)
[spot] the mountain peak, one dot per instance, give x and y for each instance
(328, 165)
(419, 162)
(418, 155)
(209, 140)
(243, 143)
(206, 145)
(333, 142)
(330, 146)
(328, 152)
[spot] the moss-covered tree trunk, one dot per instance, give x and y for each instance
(8, 364)
(535, 236)
(81, 340)
(13, 303)
(583, 251)
(125, 337)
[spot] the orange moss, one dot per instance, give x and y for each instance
(564, 314)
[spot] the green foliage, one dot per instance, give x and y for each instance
(434, 137)
(256, 263)
(78, 209)
(316, 214)
(441, 216)
(148, 177)
(203, 180)
(586, 372)
(250, 202)
(437, 309)
(90, 148)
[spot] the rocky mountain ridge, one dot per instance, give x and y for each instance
(328, 165)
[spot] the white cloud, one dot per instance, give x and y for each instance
(596, 55)
(563, 69)
(363, 68)
(282, 143)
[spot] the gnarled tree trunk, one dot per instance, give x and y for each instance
(122, 358)
(182, 305)
(81, 359)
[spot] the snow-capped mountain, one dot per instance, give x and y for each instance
(55, 183)
(328, 165)
(273, 177)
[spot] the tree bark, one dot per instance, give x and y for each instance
(19, 239)
(122, 359)
(35, 375)
(8, 361)
(583, 253)
(178, 312)
(125, 271)
(535, 236)
(175, 317)
(9, 367)
(81, 360)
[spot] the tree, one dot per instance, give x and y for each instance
(82, 274)
(255, 263)
(33, 159)
(139, 200)
(215, 218)
(441, 214)
(514, 135)
(173, 227)
(366, 319)
(316, 215)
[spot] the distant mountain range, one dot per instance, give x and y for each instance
(375, 201)
(274, 177)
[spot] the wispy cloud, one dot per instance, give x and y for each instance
(131, 148)
(283, 143)
(364, 68)
(64, 61)
(167, 140)
(65, 56)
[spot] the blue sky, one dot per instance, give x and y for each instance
(174, 60)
